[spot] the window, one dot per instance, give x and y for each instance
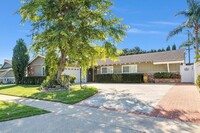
(43, 71)
(107, 70)
(129, 68)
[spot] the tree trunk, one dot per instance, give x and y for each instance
(61, 66)
(189, 54)
(196, 39)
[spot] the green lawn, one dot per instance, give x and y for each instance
(77, 94)
(10, 111)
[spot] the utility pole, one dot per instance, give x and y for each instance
(189, 43)
(80, 77)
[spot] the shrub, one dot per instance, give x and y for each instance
(45, 84)
(33, 80)
(68, 78)
(120, 78)
(72, 79)
(198, 81)
(117, 77)
(167, 75)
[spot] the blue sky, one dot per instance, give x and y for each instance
(150, 21)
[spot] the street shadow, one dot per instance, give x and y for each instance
(181, 115)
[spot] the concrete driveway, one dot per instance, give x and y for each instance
(141, 98)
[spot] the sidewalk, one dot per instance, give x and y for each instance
(67, 118)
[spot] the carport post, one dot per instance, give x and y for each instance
(168, 67)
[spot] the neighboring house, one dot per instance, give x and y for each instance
(36, 67)
(6, 72)
(150, 63)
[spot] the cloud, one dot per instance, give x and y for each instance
(155, 23)
(140, 25)
(138, 31)
(164, 23)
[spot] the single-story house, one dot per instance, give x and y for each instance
(149, 63)
(6, 72)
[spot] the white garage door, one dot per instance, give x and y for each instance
(74, 71)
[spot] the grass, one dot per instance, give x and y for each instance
(77, 93)
(10, 111)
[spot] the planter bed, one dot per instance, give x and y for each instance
(166, 80)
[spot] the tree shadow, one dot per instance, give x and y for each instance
(7, 87)
(118, 100)
(10, 111)
(74, 118)
(181, 115)
(13, 86)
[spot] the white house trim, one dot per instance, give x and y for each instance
(168, 69)
(107, 70)
(169, 62)
(135, 65)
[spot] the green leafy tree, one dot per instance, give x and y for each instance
(151, 51)
(20, 60)
(125, 51)
(188, 44)
(73, 31)
(136, 50)
(174, 47)
(193, 19)
(168, 48)
(163, 49)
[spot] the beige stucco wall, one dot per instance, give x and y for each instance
(37, 70)
(146, 68)
(38, 61)
(174, 67)
(9, 74)
(151, 68)
(37, 65)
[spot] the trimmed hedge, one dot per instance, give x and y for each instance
(167, 75)
(120, 78)
(198, 81)
(33, 80)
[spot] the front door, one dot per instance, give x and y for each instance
(89, 75)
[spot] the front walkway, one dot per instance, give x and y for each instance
(67, 118)
(182, 102)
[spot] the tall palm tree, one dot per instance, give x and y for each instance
(188, 44)
(193, 20)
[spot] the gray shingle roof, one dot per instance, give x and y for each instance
(9, 61)
(6, 61)
(175, 55)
